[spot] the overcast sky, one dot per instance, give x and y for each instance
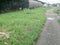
(51, 1)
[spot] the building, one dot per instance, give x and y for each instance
(58, 5)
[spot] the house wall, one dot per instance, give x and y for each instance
(34, 3)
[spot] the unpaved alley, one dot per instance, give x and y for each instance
(51, 31)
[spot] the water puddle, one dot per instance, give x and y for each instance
(50, 18)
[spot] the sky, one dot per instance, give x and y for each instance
(51, 1)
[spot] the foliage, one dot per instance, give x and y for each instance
(9, 4)
(57, 11)
(59, 20)
(23, 26)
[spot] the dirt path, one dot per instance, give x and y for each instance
(51, 31)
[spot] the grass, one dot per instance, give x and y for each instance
(59, 21)
(57, 11)
(21, 27)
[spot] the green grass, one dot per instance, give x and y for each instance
(59, 21)
(23, 26)
(57, 11)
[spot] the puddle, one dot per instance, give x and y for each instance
(51, 18)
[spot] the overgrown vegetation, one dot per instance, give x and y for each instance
(58, 12)
(21, 27)
(59, 20)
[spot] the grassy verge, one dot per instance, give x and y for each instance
(57, 11)
(21, 27)
(59, 20)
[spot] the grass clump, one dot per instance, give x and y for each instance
(23, 26)
(59, 20)
(57, 11)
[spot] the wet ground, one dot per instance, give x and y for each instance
(51, 31)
